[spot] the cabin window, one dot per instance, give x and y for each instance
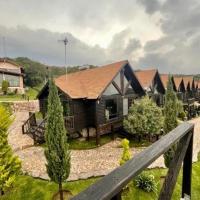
(13, 80)
(66, 108)
(125, 106)
(110, 108)
(111, 90)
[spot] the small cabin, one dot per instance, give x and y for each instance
(152, 84)
(189, 86)
(180, 87)
(165, 79)
(12, 73)
(95, 100)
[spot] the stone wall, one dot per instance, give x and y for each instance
(20, 106)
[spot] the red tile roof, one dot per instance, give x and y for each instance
(146, 77)
(177, 81)
(164, 79)
(89, 83)
(187, 79)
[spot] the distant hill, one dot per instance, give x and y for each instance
(37, 73)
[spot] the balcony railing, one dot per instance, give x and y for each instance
(111, 185)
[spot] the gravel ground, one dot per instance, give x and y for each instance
(84, 163)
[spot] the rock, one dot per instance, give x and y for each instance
(92, 132)
(74, 135)
(84, 132)
(82, 139)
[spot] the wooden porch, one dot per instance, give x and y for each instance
(36, 128)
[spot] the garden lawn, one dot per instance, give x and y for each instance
(31, 94)
(28, 188)
(76, 144)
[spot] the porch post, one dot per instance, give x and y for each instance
(187, 170)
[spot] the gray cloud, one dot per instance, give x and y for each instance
(43, 45)
(177, 51)
(151, 6)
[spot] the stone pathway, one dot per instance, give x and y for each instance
(16, 139)
(84, 163)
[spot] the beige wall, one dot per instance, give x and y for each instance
(13, 68)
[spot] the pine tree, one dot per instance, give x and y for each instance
(57, 152)
(10, 165)
(171, 109)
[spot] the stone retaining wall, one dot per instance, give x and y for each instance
(30, 106)
(21, 106)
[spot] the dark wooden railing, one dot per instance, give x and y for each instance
(111, 185)
(29, 123)
(38, 132)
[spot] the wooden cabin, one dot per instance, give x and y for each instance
(189, 87)
(180, 87)
(198, 90)
(12, 73)
(165, 79)
(152, 84)
(95, 100)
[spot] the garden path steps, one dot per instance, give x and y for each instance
(84, 163)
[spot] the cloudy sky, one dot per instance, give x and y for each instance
(149, 33)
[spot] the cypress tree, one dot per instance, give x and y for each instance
(10, 165)
(57, 152)
(170, 117)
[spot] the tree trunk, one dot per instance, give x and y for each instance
(139, 138)
(1, 192)
(60, 191)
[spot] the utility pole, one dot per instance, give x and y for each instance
(65, 41)
(4, 48)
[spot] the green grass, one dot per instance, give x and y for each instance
(28, 188)
(76, 144)
(31, 93)
(80, 145)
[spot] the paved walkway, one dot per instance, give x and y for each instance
(84, 163)
(16, 139)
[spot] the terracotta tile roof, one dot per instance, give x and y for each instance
(146, 77)
(164, 79)
(187, 79)
(89, 83)
(198, 84)
(177, 81)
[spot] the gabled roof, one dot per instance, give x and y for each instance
(164, 79)
(5, 60)
(188, 80)
(146, 77)
(89, 83)
(177, 81)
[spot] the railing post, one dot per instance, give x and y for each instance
(187, 169)
(117, 197)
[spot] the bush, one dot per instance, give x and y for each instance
(4, 86)
(144, 117)
(146, 182)
(126, 155)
